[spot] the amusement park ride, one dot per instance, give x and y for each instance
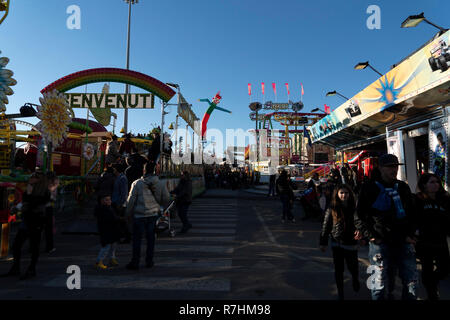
(290, 149)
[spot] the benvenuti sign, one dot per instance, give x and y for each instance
(111, 100)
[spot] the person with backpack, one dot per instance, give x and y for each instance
(339, 225)
(146, 196)
(286, 193)
(385, 215)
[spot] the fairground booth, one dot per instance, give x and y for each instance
(404, 112)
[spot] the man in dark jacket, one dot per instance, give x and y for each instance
(284, 189)
(183, 193)
(386, 217)
(135, 167)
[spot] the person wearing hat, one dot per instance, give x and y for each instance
(385, 216)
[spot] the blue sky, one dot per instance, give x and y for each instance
(211, 45)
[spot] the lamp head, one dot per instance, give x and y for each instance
(362, 65)
(315, 110)
(413, 21)
(331, 93)
(132, 1)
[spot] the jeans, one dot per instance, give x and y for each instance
(435, 261)
(271, 189)
(182, 214)
(107, 251)
(141, 226)
(341, 255)
(390, 258)
(33, 233)
(285, 200)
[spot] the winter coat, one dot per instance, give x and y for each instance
(342, 231)
(283, 187)
(384, 224)
(107, 223)
(120, 191)
(142, 202)
(105, 184)
(33, 209)
(126, 146)
(183, 191)
(433, 221)
(136, 168)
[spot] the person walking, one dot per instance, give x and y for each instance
(284, 190)
(183, 198)
(35, 198)
(105, 183)
(143, 207)
(339, 225)
(108, 228)
(385, 215)
(119, 201)
(272, 180)
(433, 220)
(127, 145)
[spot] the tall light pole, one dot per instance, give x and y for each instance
(333, 93)
(363, 65)
(125, 120)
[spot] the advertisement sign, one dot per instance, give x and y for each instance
(422, 71)
(186, 113)
(438, 138)
(111, 100)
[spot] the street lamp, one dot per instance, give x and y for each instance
(318, 109)
(130, 2)
(333, 93)
(363, 65)
(413, 21)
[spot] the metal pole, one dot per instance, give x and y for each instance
(257, 140)
(177, 145)
(125, 120)
(186, 140)
(162, 128)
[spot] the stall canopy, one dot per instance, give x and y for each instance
(417, 85)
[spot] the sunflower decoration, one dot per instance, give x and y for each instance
(55, 117)
(88, 151)
(6, 81)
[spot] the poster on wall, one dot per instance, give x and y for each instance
(438, 137)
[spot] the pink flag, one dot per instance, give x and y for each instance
(327, 109)
(274, 88)
(287, 88)
(303, 92)
(249, 89)
(262, 86)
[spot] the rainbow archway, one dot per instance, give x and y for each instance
(130, 77)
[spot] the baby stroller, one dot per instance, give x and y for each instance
(164, 218)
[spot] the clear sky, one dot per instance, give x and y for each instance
(211, 45)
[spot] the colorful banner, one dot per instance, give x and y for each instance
(422, 71)
(262, 87)
(249, 89)
(111, 100)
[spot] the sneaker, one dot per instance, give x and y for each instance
(114, 262)
(51, 250)
(100, 265)
(283, 220)
(132, 266)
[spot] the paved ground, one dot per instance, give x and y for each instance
(237, 249)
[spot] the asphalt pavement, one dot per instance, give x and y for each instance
(238, 249)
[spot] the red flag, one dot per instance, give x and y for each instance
(262, 86)
(274, 88)
(303, 92)
(287, 88)
(327, 109)
(249, 89)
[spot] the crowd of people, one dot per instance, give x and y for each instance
(225, 177)
(398, 227)
(130, 197)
